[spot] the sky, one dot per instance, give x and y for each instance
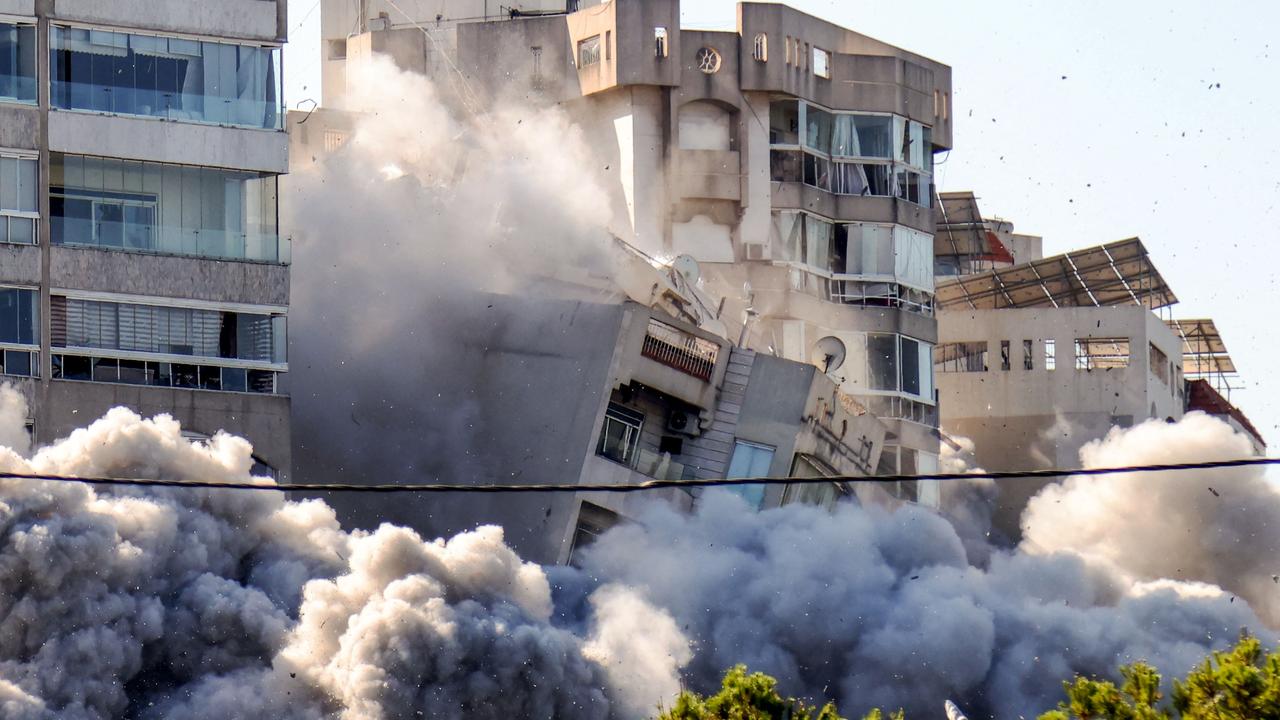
(1088, 122)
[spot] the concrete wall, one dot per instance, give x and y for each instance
(61, 406)
(244, 19)
(1039, 419)
(172, 142)
(78, 268)
(518, 398)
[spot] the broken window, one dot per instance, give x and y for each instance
(620, 434)
(593, 521)
(821, 63)
(588, 51)
(337, 49)
(784, 122)
(1159, 363)
(958, 357)
(660, 42)
(1004, 355)
(1102, 353)
(761, 50)
(1028, 355)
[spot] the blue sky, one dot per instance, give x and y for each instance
(1088, 122)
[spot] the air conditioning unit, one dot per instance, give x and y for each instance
(684, 422)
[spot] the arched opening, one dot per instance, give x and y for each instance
(705, 125)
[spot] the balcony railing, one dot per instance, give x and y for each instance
(677, 349)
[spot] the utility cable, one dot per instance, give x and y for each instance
(638, 487)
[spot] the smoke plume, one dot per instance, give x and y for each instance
(1214, 526)
(202, 603)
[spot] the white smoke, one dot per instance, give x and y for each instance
(877, 608)
(1213, 526)
(205, 603)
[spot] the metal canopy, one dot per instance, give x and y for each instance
(1119, 273)
(960, 227)
(1203, 352)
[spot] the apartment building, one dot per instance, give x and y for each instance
(140, 260)
(791, 158)
(1038, 356)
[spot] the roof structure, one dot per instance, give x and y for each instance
(1119, 273)
(1203, 352)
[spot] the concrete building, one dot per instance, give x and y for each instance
(556, 390)
(790, 158)
(1039, 356)
(140, 261)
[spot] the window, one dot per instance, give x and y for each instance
(760, 52)
(19, 331)
(852, 153)
(882, 362)
(958, 357)
(337, 49)
(17, 62)
(588, 51)
(157, 329)
(608, 45)
(821, 63)
(1050, 355)
(19, 191)
(660, 42)
(708, 60)
(154, 207)
(1159, 363)
(786, 49)
(1102, 353)
(620, 434)
(1004, 355)
(750, 460)
(593, 521)
(1028, 355)
(168, 77)
(819, 494)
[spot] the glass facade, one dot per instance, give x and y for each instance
(850, 153)
(17, 62)
(154, 207)
(166, 77)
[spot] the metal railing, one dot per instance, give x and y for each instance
(677, 349)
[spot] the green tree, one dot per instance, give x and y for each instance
(1236, 684)
(752, 696)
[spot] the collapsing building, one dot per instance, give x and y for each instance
(789, 162)
(1038, 356)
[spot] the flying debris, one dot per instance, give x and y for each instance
(953, 712)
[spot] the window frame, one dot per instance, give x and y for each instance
(30, 217)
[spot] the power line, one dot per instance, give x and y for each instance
(639, 487)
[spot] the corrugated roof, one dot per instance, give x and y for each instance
(1119, 273)
(1203, 352)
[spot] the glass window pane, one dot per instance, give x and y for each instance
(910, 366)
(817, 129)
(882, 362)
(8, 183)
(27, 190)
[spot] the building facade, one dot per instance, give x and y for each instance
(140, 259)
(791, 158)
(1038, 356)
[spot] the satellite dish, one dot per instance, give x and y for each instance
(828, 354)
(687, 268)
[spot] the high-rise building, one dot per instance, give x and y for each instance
(140, 261)
(790, 157)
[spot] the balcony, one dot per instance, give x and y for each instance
(670, 346)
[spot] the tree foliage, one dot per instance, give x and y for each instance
(1237, 684)
(752, 696)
